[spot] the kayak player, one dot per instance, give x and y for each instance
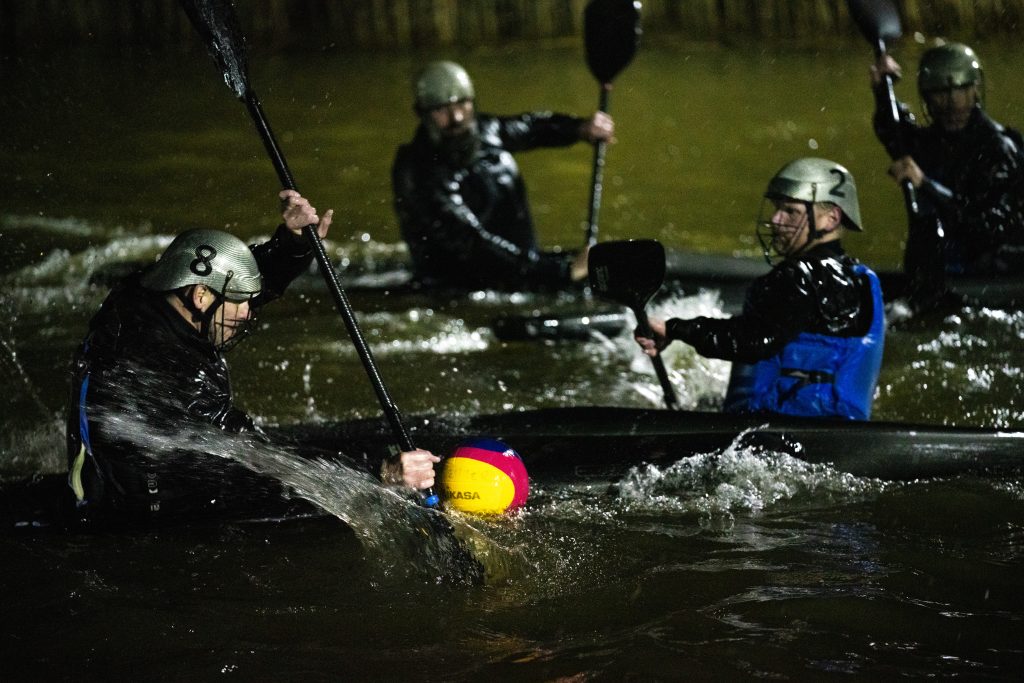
(809, 339)
(460, 199)
(151, 371)
(968, 171)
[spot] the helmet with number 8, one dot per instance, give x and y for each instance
(215, 259)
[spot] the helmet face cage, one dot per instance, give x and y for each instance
(226, 334)
(777, 239)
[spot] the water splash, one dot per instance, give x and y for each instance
(423, 334)
(740, 478)
(33, 451)
(403, 539)
(949, 371)
(37, 448)
(700, 382)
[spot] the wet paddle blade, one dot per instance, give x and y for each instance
(217, 23)
(878, 20)
(611, 31)
(629, 272)
(461, 564)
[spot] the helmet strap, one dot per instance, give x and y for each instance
(206, 322)
(813, 234)
(200, 317)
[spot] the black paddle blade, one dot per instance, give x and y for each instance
(878, 20)
(611, 30)
(217, 22)
(629, 272)
(459, 565)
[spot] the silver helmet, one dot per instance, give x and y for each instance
(814, 180)
(441, 83)
(215, 259)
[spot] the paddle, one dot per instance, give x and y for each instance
(611, 33)
(217, 23)
(630, 272)
(879, 21)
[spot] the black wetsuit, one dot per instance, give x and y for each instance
(151, 402)
(816, 292)
(972, 202)
(469, 225)
(801, 316)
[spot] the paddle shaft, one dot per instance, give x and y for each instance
(597, 179)
(341, 302)
(216, 22)
(909, 192)
(643, 327)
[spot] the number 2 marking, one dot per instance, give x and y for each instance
(835, 190)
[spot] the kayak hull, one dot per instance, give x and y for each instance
(600, 444)
(686, 274)
(579, 443)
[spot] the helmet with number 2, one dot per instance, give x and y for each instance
(215, 259)
(814, 180)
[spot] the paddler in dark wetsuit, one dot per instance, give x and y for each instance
(150, 382)
(812, 329)
(968, 171)
(460, 199)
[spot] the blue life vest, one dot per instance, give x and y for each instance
(816, 375)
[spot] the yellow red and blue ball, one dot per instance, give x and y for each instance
(484, 476)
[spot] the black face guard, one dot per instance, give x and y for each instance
(766, 233)
(978, 104)
(242, 329)
(213, 319)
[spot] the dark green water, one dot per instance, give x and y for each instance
(779, 571)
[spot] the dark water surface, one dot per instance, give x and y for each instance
(740, 565)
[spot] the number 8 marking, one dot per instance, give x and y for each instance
(201, 265)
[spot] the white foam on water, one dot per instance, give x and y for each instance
(367, 255)
(741, 478)
(64, 226)
(422, 334)
(34, 451)
(964, 370)
(65, 278)
(699, 382)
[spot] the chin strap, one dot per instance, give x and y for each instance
(204, 318)
(813, 234)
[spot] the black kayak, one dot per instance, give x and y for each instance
(585, 443)
(390, 283)
(688, 274)
(600, 444)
